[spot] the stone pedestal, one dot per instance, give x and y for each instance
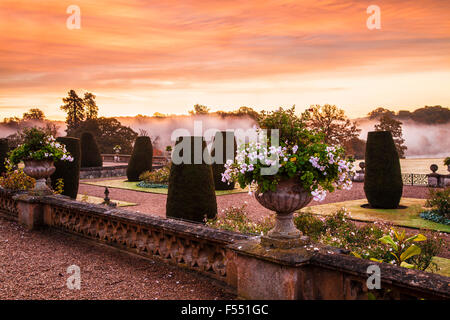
(30, 211)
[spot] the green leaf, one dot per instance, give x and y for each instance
(356, 254)
(420, 237)
(376, 260)
(410, 252)
(406, 265)
(388, 240)
(371, 296)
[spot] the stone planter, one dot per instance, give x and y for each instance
(289, 197)
(40, 170)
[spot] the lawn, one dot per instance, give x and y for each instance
(443, 265)
(124, 184)
(97, 200)
(408, 217)
(418, 165)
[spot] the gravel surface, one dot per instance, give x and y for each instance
(33, 265)
(155, 204)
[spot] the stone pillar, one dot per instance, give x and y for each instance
(258, 272)
(30, 211)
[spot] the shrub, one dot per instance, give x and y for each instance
(310, 225)
(69, 172)
(3, 154)
(16, 180)
(434, 216)
(222, 140)
(160, 176)
(440, 201)
(90, 153)
(447, 161)
(141, 159)
(383, 183)
(429, 249)
(236, 219)
(191, 192)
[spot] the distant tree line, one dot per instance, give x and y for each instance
(426, 115)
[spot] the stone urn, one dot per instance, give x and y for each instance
(289, 197)
(40, 170)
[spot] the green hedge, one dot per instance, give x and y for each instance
(90, 153)
(383, 183)
(191, 194)
(69, 171)
(221, 139)
(3, 154)
(141, 159)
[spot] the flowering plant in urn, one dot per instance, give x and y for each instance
(286, 166)
(38, 152)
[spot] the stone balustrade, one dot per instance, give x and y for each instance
(237, 260)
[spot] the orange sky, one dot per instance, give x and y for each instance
(164, 56)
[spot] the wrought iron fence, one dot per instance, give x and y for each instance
(415, 179)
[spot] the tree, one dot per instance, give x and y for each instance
(332, 122)
(90, 106)
(69, 172)
(383, 183)
(199, 109)
(74, 106)
(141, 159)
(378, 112)
(355, 147)
(431, 115)
(90, 153)
(223, 148)
(191, 194)
(34, 114)
(109, 133)
(387, 123)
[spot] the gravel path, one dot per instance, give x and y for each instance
(155, 204)
(33, 265)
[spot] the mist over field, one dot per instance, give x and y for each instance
(422, 140)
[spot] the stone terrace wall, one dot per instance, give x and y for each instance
(186, 244)
(103, 172)
(238, 260)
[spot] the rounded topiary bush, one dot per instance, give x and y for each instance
(3, 154)
(383, 183)
(90, 153)
(191, 194)
(69, 171)
(141, 159)
(223, 148)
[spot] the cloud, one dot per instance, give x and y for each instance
(176, 45)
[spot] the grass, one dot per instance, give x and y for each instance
(418, 165)
(408, 217)
(443, 265)
(127, 185)
(97, 200)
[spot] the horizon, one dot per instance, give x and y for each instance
(142, 58)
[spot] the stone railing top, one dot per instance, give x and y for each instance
(334, 258)
(190, 229)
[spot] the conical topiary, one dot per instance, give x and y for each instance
(383, 183)
(223, 148)
(141, 159)
(191, 194)
(69, 171)
(90, 153)
(4, 148)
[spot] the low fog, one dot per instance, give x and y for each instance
(422, 140)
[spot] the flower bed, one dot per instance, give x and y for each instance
(366, 242)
